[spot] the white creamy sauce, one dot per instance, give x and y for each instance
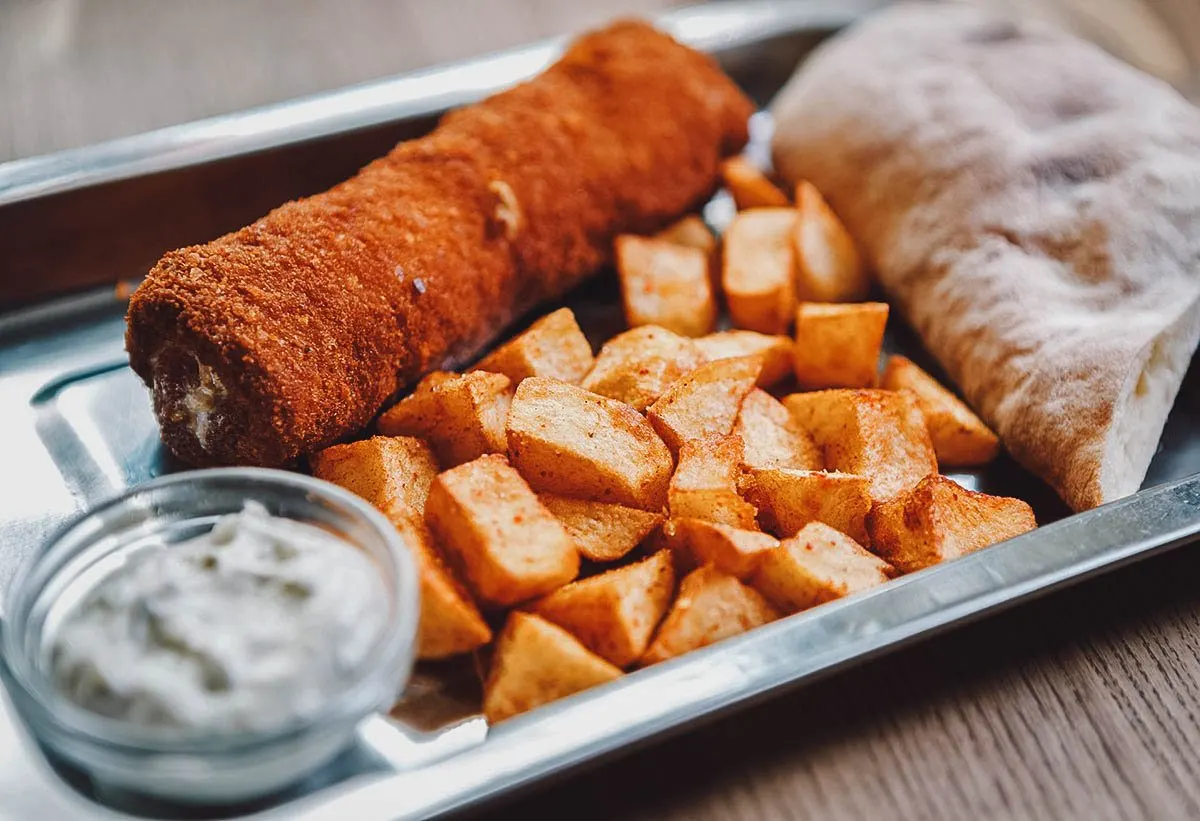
(252, 625)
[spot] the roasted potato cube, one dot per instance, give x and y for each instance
(690, 232)
(960, 438)
(537, 662)
(710, 606)
(462, 417)
(729, 549)
(772, 438)
(432, 380)
(749, 186)
(939, 519)
(450, 622)
(705, 403)
(553, 346)
(872, 433)
(787, 500)
(829, 267)
(705, 484)
(391, 472)
(817, 565)
(665, 538)
(837, 346)
(601, 531)
(510, 547)
(475, 407)
(566, 440)
(394, 474)
(418, 413)
(614, 614)
(775, 351)
(635, 367)
(758, 270)
(665, 284)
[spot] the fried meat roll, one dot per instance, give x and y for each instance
(283, 337)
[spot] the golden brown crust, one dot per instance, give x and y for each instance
(939, 520)
(279, 339)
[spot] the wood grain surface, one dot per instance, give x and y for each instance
(1083, 705)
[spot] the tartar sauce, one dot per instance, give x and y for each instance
(250, 626)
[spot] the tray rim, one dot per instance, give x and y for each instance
(710, 27)
(722, 677)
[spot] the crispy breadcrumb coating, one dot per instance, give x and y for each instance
(281, 338)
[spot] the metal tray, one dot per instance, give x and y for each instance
(76, 426)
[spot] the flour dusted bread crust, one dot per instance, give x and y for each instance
(1033, 207)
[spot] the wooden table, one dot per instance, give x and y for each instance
(1083, 705)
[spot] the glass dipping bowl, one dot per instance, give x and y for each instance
(187, 765)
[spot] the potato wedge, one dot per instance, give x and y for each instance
(939, 519)
(837, 346)
(614, 613)
(787, 500)
(635, 367)
(758, 270)
(775, 351)
(553, 346)
(772, 438)
(705, 403)
(393, 473)
(665, 284)
(829, 267)
(509, 546)
(960, 438)
(710, 606)
(602, 532)
(749, 186)
(432, 380)
(690, 232)
(817, 565)
(704, 485)
(872, 433)
(730, 550)
(462, 417)
(568, 441)
(537, 662)
(665, 538)
(419, 412)
(450, 621)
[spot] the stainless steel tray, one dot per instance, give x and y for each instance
(76, 426)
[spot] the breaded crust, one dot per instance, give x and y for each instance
(281, 338)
